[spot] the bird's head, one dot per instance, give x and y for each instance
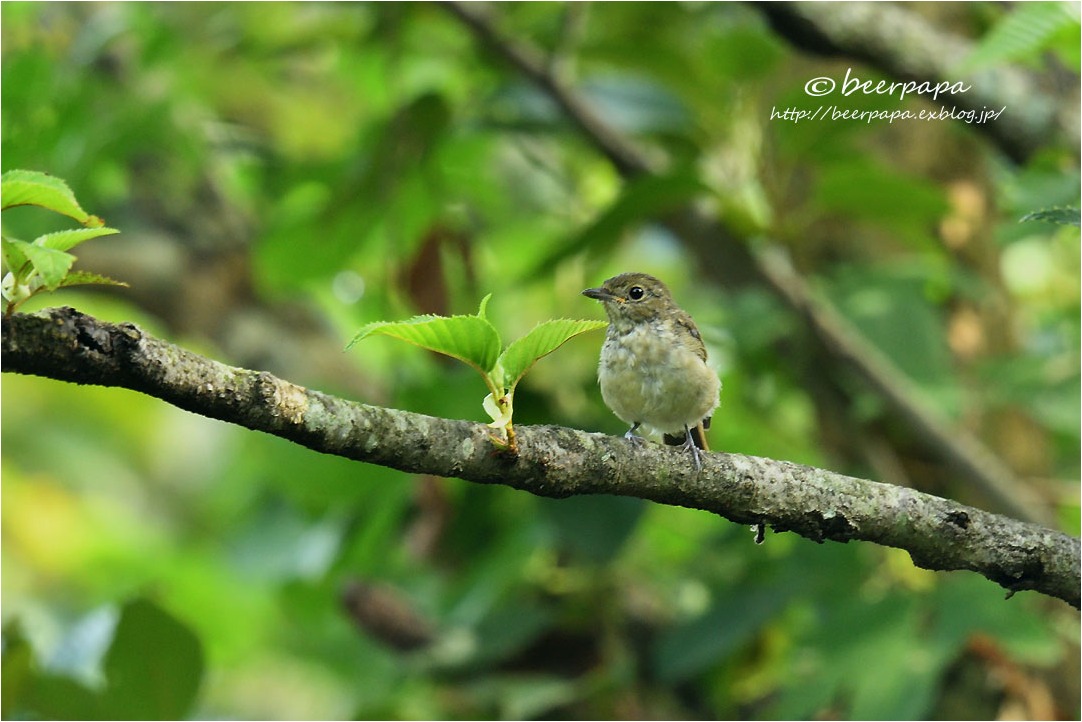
(632, 298)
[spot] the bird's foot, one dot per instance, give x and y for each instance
(693, 449)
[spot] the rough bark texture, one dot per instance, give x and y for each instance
(552, 461)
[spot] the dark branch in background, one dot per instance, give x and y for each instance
(728, 259)
(627, 158)
(553, 461)
(902, 44)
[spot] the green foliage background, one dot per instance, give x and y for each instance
(284, 174)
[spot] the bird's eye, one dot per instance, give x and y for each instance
(635, 293)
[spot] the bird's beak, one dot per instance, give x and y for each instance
(598, 294)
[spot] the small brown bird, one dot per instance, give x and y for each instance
(653, 369)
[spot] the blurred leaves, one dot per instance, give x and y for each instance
(1023, 35)
(337, 165)
(1061, 216)
(861, 190)
(640, 200)
(694, 647)
(575, 521)
(152, 669)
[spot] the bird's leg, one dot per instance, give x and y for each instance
(691, 446)
(631, 436)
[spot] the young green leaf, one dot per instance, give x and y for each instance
(471, 339)
(542, 340)
(82, 278)
(500, 413)
(27, 187)
(66, 240)
(474, 340)
(14, 258)
(52, 265)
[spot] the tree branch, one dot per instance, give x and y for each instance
(728, 258)
(553, 461)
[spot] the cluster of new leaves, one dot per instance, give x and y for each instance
(44, 264)
(475, 341)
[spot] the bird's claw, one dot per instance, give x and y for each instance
(696, 455)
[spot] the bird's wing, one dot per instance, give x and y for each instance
(696, 344)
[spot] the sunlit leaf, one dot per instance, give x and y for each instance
(26, 187)
(52, 265)
(471, 339)
(83, 278)
(14, 258)
(542, 340)
(66, 240)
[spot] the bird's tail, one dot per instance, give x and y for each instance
(698, 435)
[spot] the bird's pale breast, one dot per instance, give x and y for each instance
(647, 376)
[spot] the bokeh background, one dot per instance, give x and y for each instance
(283, 173)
